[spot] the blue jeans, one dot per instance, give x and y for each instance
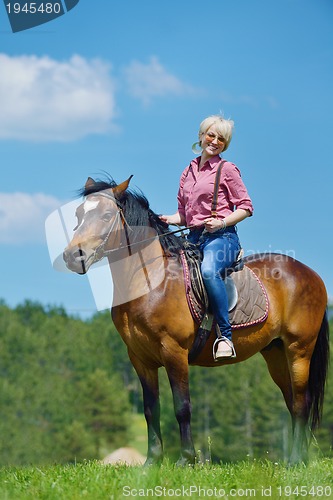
(219, 250)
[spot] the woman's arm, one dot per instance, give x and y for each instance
(176, 218)
(212, 224)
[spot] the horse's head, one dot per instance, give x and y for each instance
(97, 217)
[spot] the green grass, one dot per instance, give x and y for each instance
(93, 481)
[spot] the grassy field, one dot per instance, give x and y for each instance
(93, 481)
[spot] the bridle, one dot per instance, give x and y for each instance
(100, 250)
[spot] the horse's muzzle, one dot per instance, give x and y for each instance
(76, 260)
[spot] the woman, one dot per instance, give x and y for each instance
(213, 228)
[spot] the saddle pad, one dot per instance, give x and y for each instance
(252, 303)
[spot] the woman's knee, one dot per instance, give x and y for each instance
(208, 271)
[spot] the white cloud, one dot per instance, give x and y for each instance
(147, 81)
(22, 217)
(42, 99)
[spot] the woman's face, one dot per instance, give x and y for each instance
(212, 142)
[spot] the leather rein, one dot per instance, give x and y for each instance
(100, 250)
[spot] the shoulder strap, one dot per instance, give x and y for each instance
(216, 189)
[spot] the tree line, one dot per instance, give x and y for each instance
(68, 393)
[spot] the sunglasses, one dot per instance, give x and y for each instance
(210, 137)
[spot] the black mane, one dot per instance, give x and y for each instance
(137, 212)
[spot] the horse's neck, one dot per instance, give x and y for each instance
(139, 269)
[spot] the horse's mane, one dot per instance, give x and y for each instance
(137, 212)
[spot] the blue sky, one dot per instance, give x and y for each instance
(121, 87)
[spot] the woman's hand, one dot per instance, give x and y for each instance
(212, 224)
(172, 219)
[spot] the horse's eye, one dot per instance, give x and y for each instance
(107, 217)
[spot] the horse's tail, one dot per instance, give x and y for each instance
(318, 374)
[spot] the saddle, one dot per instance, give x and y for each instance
(247, 297)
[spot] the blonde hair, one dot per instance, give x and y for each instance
(223, 126)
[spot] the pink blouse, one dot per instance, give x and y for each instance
(196, 191)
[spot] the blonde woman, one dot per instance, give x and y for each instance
(212, 199)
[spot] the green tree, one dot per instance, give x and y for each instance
(98, 394)
(49, 377)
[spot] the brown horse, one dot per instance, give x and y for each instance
(156, 325)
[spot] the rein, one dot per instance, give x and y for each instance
(130, 245)
(100, 251)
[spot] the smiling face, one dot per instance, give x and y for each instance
(212, 142)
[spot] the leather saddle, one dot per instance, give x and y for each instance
(247, 298)
(193, 260)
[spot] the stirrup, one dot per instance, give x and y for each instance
(229, 343)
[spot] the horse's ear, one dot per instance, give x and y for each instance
(89, 183)
(118, 190)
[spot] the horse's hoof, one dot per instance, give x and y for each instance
(185, 461)
(150, 461)
(294, 462)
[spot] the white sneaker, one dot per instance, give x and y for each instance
(223, 348)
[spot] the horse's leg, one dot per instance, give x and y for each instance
(278, 368)
(177, 370)
(299, 372)
(151, 403)
(290, 371)
(277, 364)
